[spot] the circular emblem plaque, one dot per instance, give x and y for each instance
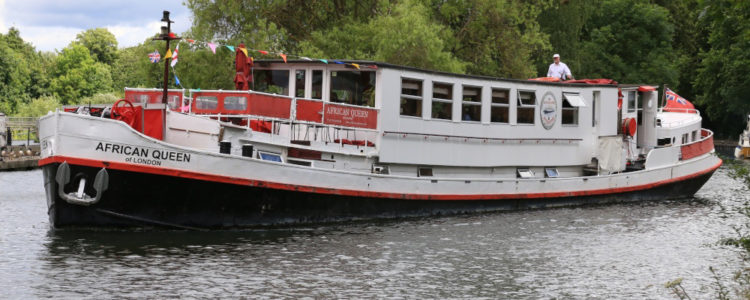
(548, 110)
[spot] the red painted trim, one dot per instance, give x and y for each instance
(354, 193)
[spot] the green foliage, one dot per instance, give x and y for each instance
(99, 98)
(101, 43)
(722, 80)
(77, 75)
(39, 107)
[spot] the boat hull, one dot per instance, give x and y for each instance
(143, 199)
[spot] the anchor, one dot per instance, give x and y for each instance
(101, 182)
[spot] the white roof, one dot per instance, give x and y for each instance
(675, 120)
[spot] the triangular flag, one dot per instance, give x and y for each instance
(177, 80)
(283, 56)
(231, 48)
(244, 51)
(174, 56)
(191, 41)
(356, 66)
(212, 46)
(339, 62)
(324, 61)
(169, 54)
(263, 52)
(305, 58)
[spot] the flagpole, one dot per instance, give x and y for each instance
(166, 35)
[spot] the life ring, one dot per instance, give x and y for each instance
(124, 113)
(629, 126)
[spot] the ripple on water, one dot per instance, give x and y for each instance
(612, 251)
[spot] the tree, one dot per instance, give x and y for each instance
(101, 43)
(722, 80)
(39, 107)
(77, 75)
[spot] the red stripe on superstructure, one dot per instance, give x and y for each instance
(355, 193)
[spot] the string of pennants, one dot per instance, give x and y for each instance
(155, 56)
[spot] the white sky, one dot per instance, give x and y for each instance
(52, 24)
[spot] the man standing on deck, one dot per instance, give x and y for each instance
(559, 69)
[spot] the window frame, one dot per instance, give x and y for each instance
(433, 99)
(571, 108)
(495, 105)
(521, 106)
(407, 97)
(469, 103)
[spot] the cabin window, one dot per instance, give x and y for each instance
(571, 103)
(173, 102)
(631, 101)
(685, 138)
(664, 142)
(317, 84)
(353, 87)
(526, 106)
(525, 173)
(471, 103)
(551, 172)
(235, 103)
(299, 83)
(411, 97)
(139, 98)
(695, 135)
(206, 102)
(424, 172)
(442, 101)
(269, 156)
(305, 163)
(500, 106)
(271, 81)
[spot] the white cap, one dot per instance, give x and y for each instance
(556, 55)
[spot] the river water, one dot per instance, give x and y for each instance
(599, 252)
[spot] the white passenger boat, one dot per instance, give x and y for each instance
(317, 142)
(743, 146)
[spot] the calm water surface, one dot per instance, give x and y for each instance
(602, 252)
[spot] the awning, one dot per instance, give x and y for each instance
(574, 100)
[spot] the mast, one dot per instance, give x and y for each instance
(166, 35)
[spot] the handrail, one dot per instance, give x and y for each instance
(479, 138)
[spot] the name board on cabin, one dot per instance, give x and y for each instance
(349, 116)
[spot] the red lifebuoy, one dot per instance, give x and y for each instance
(629, 126)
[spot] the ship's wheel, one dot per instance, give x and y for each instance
(125, 112)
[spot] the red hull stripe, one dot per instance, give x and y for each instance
(354, 193)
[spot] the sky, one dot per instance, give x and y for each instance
(51, 25)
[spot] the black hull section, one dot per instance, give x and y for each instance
(140, 199)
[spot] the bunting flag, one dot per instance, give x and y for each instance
(169, 54)
(212, 46)
(191, 41)
(263, 52)
(324, 61)
(339, 62)
(154, 56)
(356, 66)
(231, 48)
(176, 80)
(283, 56)
(244, 51)
(305, 58)
(174, 56)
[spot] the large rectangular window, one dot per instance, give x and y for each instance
(317, 84)
(206, 102)
(471, 103)
(526, 106)
(299, 83)
(235, 103)
(500, 106)
(271, 81)
(411, 97)
(353, 87)
(442, 101)
(571, 103)
(631, 101)
(594, 103)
